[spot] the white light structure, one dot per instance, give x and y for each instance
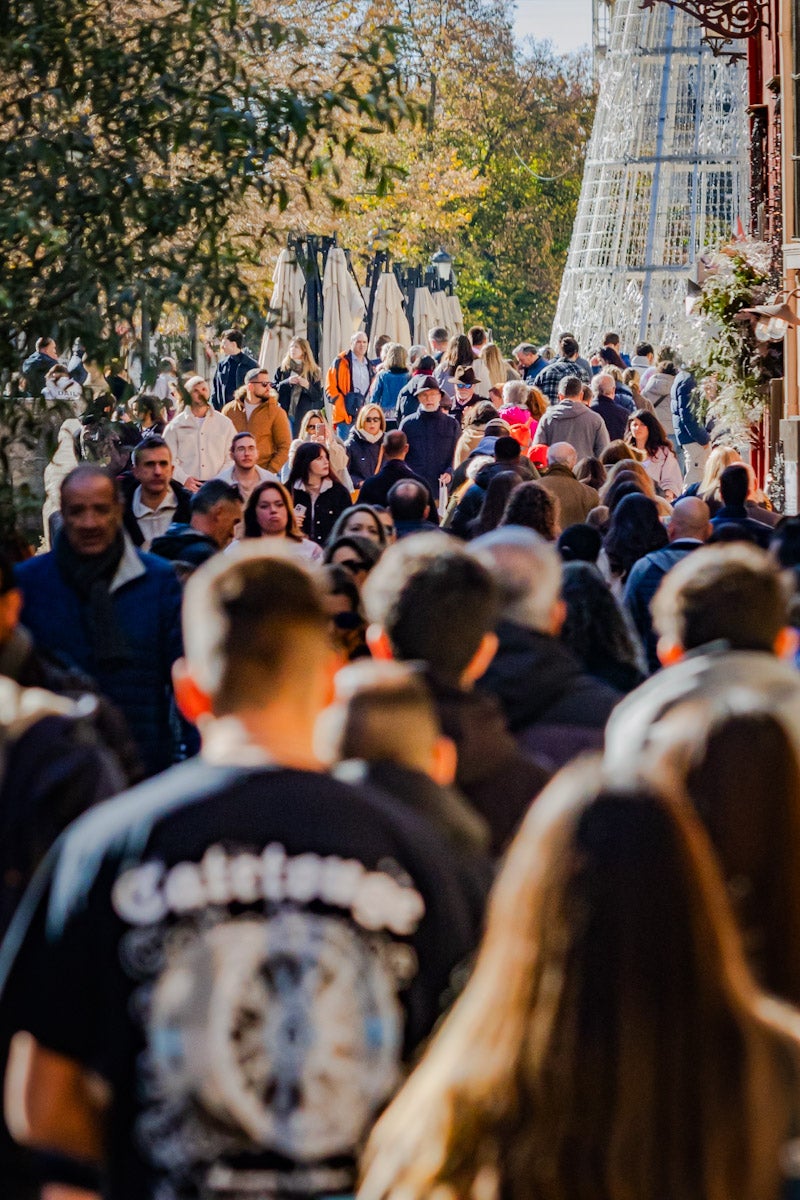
(666, 175)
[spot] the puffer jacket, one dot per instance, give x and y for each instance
(147, 602)
(657, 390)
(684, 418)
(363, 457)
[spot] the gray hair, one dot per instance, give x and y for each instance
(527, 569)
(515, 391)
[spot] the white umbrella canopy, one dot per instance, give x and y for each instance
(287, 316)
(425, 315)
(455, 322)
(343, 307)
(440, 303)
(388, 316)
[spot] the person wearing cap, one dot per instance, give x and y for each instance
(199, 438)
(432, 434)
(255, 409)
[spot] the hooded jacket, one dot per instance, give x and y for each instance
(657, 390)
(571, 421)
(688, 428)
(269, 425)
(555, 709)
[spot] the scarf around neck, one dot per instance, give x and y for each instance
(91, 576)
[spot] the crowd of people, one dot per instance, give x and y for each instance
(400, 789)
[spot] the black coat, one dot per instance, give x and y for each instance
(555, 708)
(498, 778)
(362, 457)
(330, 504)
(309, 400)
(229, 376)
(613, 414)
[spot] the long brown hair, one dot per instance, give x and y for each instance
(252, 529)
(740, 769)
(309, 366)
(610, 1042)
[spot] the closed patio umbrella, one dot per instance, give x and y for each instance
(388, 316)
(343, 307)
(425, 316)
(287, 316)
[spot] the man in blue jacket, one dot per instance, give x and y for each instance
(691, 434)
(105, 607)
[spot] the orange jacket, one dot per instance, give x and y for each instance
(269, 425)
(339, 381)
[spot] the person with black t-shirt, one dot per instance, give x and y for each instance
(219, 975)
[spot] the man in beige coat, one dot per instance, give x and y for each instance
(259, 413)
(576, 499)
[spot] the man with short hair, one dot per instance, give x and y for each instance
(244, 472)
(151, 498)
(688, 528)
(565, 366)
(604, 403)
(110, 610)
(734, 485)
(429, 600)
(576, 500)
(216, 510)
(529, 361)
(348, 381)
(643, 359)
(258, 412)
(231, 368)
(438, 338)
(199, 438)
(409, 504)
(478, 339)
(571, 420)
(240, 945)
(375, 490)
(432, 434)
(722, 620)
(553, 707)
(36, 365)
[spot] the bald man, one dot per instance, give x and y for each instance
(575, 498)
(689, 526)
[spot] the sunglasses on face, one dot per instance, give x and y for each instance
(369, 420)
(464, 386)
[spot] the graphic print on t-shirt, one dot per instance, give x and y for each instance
(273, 1036)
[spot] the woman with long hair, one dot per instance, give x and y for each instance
(459, 353)
(591, 472)
(392, 377)
(298, 383)
(147, 413)
(497, 368)
(611, 1041)
(364, 444)
(645, 433)
(708, 487)
(269, 513)
(597, 630)
(634, 530)
(317, 495)
(314, 427)
(739, 767)
(534, 507)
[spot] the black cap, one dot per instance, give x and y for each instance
(423, 383)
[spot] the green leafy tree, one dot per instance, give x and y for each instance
(132, 138)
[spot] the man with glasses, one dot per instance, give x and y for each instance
(199, 438)
(255, 409)
(244, 471)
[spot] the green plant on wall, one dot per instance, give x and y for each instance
(723, 350)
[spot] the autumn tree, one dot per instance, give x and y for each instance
(133, 137)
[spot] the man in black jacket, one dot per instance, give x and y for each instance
(216, 510)
(375, 490)
(555, 709)
(430, 601)
(734, 484)
(231, 368)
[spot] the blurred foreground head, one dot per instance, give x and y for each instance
(610, 1030)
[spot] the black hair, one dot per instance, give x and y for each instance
(211, 493)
